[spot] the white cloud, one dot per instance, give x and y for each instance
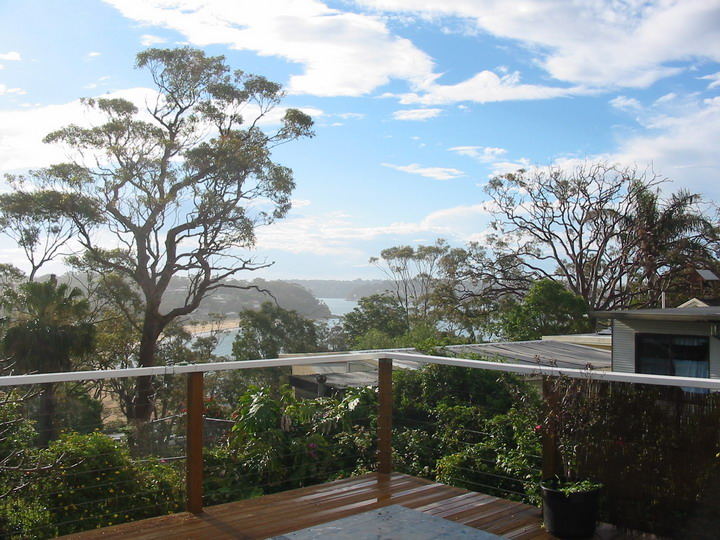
(625, 103)
(680, 142)
(599, 43)
(416, 114)
(666, 98)
(5, 90)
(484, 154)
(93, 54)
(714, 79)
(351, 116)
(148, 40)
(22, 131)
(504, 167)
(486, 87)
(342, 53)
(332, 233)
(335, 233)
(12, 56)
(436, 173)
(494, 157)
(300, 203)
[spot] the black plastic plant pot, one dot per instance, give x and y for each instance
(570, 516)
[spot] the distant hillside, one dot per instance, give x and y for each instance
(231, 301)
(347, 289)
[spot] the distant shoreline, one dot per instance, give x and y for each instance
(207, 327)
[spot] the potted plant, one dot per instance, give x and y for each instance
(570, 507)
(570, 499)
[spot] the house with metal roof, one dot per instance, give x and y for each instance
(683, 341)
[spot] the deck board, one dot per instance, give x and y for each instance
(281, 513)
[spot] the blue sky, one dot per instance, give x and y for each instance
(416, 102)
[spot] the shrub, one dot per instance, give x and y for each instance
(96, 484)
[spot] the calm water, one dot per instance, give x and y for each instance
(338, 307)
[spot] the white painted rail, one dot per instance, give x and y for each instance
(521, 369)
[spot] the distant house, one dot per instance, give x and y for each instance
(704, 282)
(683, 341)
(701, 302)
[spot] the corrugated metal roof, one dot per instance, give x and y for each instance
(546, 353)
(698, 314)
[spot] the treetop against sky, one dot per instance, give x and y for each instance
(416, 103)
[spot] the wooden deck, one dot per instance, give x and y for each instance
(289, 511)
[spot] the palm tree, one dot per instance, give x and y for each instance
(669, 236)
(48, 328)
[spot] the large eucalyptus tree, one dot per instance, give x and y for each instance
(180, 184)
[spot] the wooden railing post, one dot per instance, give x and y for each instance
(194, 443)
(385, 406)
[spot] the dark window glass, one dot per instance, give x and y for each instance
(662, 354)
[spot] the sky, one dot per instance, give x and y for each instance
(416, 103)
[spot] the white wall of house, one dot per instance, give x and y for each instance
(623, 342)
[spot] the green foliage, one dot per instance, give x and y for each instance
(96, 484)
(582, 486)
(374, 339)
(418, 393)
(48, 327)
(548, 308)
(22, 518)
(375, 321)
(18, 432)
(223, 477)
(414, 272)
(77, 411)
(286, 442)
(464, 427)
(273, 330)
(503, 461)
(38, 221)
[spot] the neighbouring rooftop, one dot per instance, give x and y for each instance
(688, 314)
(541, 352)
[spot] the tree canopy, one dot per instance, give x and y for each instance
(548, 308)
(180, 186)
(604, 231)
(382, 313)
(273, 330)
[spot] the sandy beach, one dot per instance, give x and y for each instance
(206, 327)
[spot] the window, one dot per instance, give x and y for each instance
(662, 354)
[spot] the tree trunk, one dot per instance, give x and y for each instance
(47, 415)
(144, 392)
